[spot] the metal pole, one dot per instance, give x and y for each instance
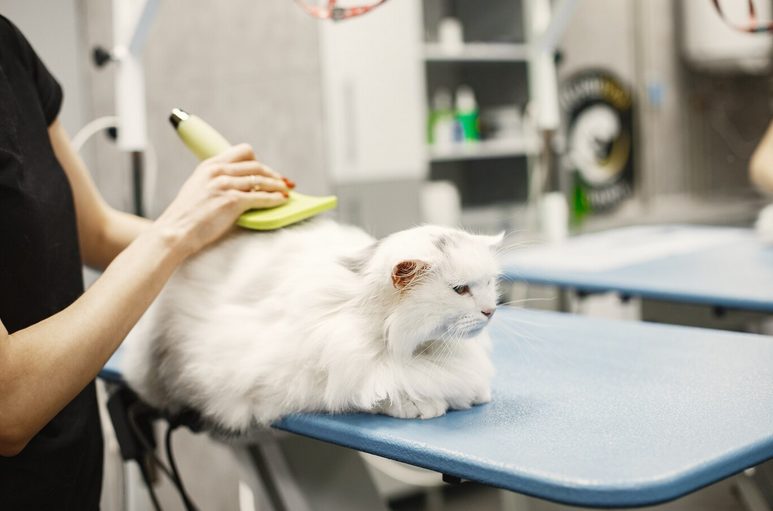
(137, 182)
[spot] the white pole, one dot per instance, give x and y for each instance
(544, 32)
(131, 21)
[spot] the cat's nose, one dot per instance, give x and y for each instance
(488, 312)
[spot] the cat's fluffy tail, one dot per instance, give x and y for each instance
(765, 224)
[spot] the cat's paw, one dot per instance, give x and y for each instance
(460, 404)
(406, 408)
(482, 396)
(479, 397)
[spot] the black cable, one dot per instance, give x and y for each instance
(173, 474)
(137, 182)
(145, 443)
(149, 485)
(189, 505)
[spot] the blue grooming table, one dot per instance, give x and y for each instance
(736, 272)
(589, 412)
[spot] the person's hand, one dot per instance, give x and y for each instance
(219, 190)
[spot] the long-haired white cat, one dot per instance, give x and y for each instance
(321, 317)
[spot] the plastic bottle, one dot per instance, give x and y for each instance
(442, 123)
(467, 114)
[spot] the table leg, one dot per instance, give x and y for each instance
(750, 494)
(511, 501)
(292, 473)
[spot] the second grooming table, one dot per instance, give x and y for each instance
(723, 267)
(585, 411)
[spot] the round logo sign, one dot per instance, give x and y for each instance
(599, 137)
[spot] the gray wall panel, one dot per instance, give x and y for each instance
(250, 68)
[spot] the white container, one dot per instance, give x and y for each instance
(710, 44)
(441, 204)
(451, 35)
(444, 123)
(554, 217)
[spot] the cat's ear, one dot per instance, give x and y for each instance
(406, 272)
(494, 241)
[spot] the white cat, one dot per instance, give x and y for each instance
(321, 317)
(765, 224)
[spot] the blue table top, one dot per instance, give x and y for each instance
(589, 412)
(736, 272)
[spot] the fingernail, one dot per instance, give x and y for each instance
(289, 182)
(287, 195)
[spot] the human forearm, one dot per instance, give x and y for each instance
(761, 172)
(45, 366)
(102, 231)
(118, 231)
(761, 163)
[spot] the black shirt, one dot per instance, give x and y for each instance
(40, 274)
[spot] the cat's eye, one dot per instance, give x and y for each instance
(462, 290)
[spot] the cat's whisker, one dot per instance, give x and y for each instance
(444, 341)
(447, 346)
(519, 301)
(521, 321)
(535, 346)
(508, 246)
(430, 344)
(514, 247)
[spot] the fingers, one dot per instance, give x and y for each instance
(239, 160)
(251, 182)
(245, 168)
(260, 200)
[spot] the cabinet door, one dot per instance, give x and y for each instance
(373, 83)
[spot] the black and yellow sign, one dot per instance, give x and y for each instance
(599, 137)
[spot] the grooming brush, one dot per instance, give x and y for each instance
(204, 141)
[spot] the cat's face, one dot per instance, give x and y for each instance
(447, 285)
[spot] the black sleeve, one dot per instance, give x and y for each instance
(48, 89)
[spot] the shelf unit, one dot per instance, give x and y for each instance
(375, 90)
(494, 148)
(478, 52)
(494, 60)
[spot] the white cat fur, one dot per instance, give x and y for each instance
(307, 318)
(765, 224)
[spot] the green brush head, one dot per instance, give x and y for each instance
(299, 207)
